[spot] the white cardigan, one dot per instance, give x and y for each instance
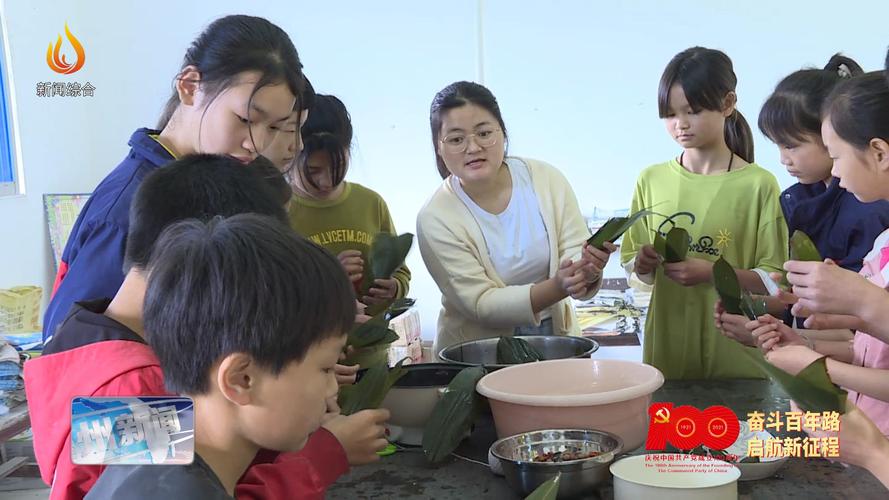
(475, 302)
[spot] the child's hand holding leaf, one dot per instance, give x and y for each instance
(352, 263)
(690, 272)
(383, 290)
(345, 375)
(361, 434)
(647, 260)
(822, 321)
(824, 287)
(732, 326)
(793, 358)
(771, 333)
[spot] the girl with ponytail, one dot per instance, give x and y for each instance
(855, 130)
(727, 204)
(842, 227)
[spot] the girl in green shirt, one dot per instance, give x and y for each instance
(729, 206)
(341, 216)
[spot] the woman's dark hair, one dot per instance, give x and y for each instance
(456, 95)
(328, 129)
(234, 44)
(858, 109)
(793, 111)
(246, 284)
(706, 76)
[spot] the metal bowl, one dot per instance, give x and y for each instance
(484, 351)
(579, 477)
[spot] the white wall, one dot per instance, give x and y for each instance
(576, 81)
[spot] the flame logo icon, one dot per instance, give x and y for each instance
(58, 62)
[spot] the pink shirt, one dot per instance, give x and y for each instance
(869, 351)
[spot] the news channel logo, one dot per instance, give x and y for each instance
(132, 430)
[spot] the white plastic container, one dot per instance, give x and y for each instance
(636, 478)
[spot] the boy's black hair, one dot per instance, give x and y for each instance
(328, 129)
(246, 284)
(456, 95)
(793, 111)
(707, 76)
(858, 109)
(198, 186)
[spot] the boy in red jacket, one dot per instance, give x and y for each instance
(100, 350)
(249, 319)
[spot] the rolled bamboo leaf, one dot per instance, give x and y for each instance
(753, 307)
(387, 253)
(608, 232)
(802, 248)
(374, 331)
(676, 245)
(515, 351)
(369, 392)
(614, 228)
(453, 415)
(726, 282)
(811, 388)
(549, 490)
(660, 244)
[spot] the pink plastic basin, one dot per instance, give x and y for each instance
(603, 394)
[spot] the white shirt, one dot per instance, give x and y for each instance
(517, 240)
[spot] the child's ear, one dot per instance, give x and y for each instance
(729, 103)
(187, 84)
(236, 378)
(879, 149)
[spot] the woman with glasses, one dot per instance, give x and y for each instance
(502, 236)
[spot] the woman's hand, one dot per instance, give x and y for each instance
(596, 260)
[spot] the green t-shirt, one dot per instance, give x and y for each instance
(736, 215)
(349, 222)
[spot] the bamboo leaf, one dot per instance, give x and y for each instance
(515, 351)
(387, 253)
(726, 282)
(752, 307)
(614, 228)
(676, 245)
(399, 307)
(374, 331)
(660, 244)
(369, 392)
(812, 388)
(453, 415)
(802, 248)
(549, 490)
(608, 232)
